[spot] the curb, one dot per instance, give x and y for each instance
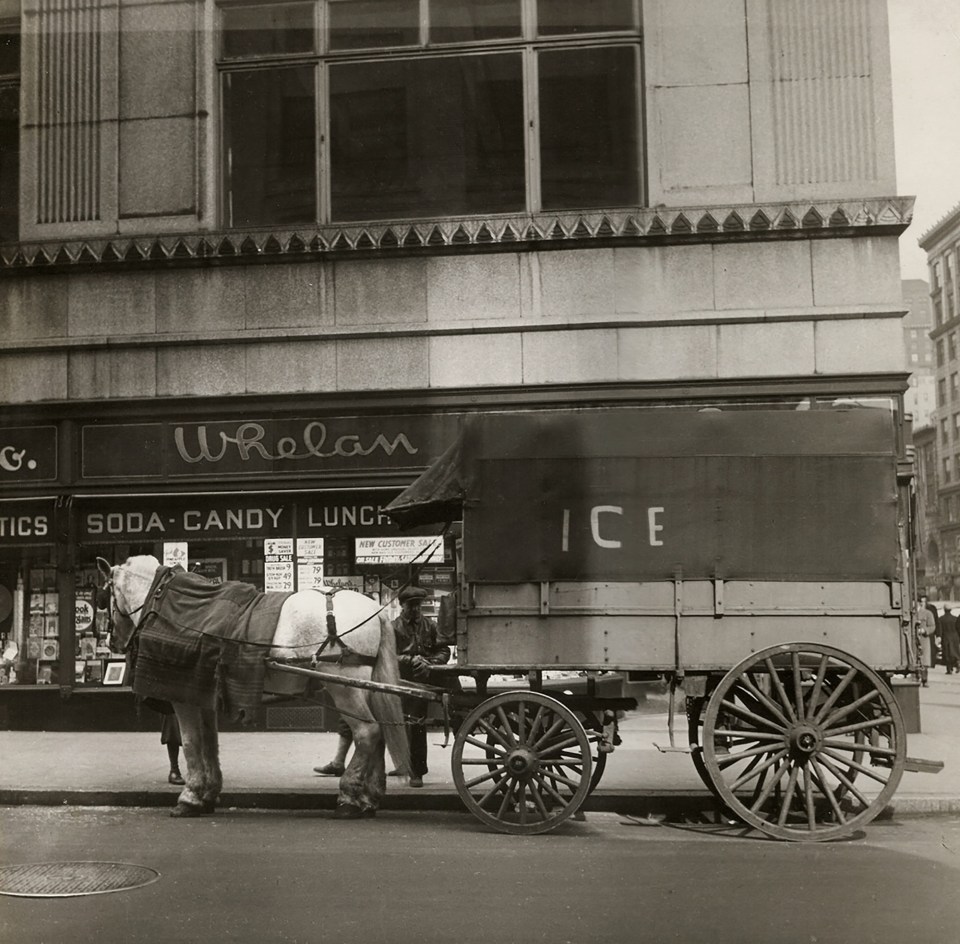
(676, 804)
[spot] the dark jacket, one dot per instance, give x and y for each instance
(949, 639)
(418, 638)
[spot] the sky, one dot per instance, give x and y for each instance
(925, 63)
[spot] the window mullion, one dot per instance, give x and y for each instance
(322, 86)
(528, 19)
(531, 125)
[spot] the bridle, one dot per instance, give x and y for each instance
(113, 598)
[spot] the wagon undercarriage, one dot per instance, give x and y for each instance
(799, 741)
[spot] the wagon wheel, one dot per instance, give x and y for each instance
(696, 712)
(522, 762)
(598, 758)
(787, 732)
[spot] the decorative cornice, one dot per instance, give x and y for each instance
(949, 221)
(543, 231)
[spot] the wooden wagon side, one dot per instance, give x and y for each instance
(754, 557)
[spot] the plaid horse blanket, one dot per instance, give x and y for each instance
(204, 643)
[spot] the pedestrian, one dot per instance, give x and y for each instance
(950, 641)
(338, 765)
(926, 630)
(419, 648)
(935, 640)
(170, 735)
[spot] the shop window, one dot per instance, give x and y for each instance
(537, 108)
(29, 617)
(9, 131)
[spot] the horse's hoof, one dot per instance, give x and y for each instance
(351, 811)
(186, 810)
(208, 807)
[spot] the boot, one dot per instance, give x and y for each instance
(175, 777)
(332, 769)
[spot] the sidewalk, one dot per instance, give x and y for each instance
(273, 770)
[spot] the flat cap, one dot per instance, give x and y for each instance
(412, 593)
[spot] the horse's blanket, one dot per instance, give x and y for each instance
(204, 643)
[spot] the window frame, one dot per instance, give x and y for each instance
(528, 44)
(13, 81)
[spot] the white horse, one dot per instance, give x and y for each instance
(301, 628)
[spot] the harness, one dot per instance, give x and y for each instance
(347, 655)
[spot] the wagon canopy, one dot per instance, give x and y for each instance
(631, 494)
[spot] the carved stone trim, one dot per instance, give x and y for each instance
(543, 231)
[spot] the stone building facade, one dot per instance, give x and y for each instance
(267, 252)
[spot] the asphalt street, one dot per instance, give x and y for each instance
(433, 878)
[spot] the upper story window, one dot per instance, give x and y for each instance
(940, 360)
(952, 346)
(351, 110)
(941, 392)
(9, 130)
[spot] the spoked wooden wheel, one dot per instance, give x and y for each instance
(696, 713)
(594, 729)
(788, 731)
(522, 762)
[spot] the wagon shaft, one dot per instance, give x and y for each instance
(427, 692)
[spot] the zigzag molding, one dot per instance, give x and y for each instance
(501, 233)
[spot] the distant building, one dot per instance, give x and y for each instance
(920, 399)
(941, 244)
(927, 553)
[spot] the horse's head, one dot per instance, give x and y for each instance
(124, 593)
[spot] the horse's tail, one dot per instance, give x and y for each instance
(388, 709)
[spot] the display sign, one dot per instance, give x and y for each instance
(309, 573)
(176, 554)
(346, 582)
(255, 446)
(188, 517)
(28, 454)
(278, 564)
(415, 549)
(212, 568)
(310, 548)
(85, 614)
(309, 563)
(27, 521)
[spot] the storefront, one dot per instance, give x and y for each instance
(282, 503)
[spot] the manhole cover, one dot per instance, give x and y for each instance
(68, 879)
